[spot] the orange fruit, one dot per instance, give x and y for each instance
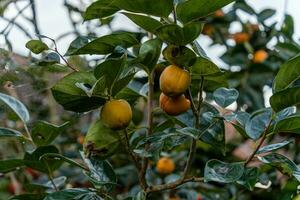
(174, 80)
(165, 165)
(208, 30)
(174, 105)
(116, 114)
(260, 56)
(219, 13)
(241, 37)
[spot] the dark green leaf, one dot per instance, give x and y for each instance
(10, 165)
(285, 98)
(249, 178)
(290, 124)
(73, 98)
(17, 106)
(7, 133)
(34, 161)
(28, 197)
(222, 172)
(273, 147)
(103, 45)
(194, 9)
(282, 163)
(179, 55)
(288, 26)
(43, 133)
(129, 95)
(174, 34)
(36, 46)
(147, 23)
(151, 7)
(100, 9)
(257, 123)
(149, 54)
(50, 59)
(73, 193)
(225, 97)
(203, 67)
(265, 14)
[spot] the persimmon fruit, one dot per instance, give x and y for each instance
(174, 105)
(165, 165)
(260, 56)
(241, 37)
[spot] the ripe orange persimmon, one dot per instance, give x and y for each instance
(174, 80)
(241, 37)
(165, 165)
(260, 56)
(174, 105)
(116, 114)
(219, 13)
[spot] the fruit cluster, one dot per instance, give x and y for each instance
(174, 81)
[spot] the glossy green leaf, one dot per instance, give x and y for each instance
(103, 45)
(204, 67)
(73, 193)
(145, 22)
(265, 14)
(43, 133)
(17, 106)
(288, 73)
(100, 9)
(273, 147)
(36, 46)
(100, 141)
(28, 197)
(149, 54)
(179, 55)
(129, 95)
(225, 97)
(222, 172)
(34, 161)
(285, 98)
(9, 133)
(257, 123)
(174, 34)
(214, 81)
(10, 165)
(282, 163)
(73, 98)
(191, 10)
(249, 178)
(151, 7)
(290, 124)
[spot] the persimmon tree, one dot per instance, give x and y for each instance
(154, 109)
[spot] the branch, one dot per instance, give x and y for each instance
(259, 144)
(128, 148)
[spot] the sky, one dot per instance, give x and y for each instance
(53, 21)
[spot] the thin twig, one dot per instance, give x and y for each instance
(133, 157)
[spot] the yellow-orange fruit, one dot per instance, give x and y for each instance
(116, 114)
(219, 13)
(174, 105)
(260, 56)
(241, 37)
(174, 80)
(165, 165)
(208, 30)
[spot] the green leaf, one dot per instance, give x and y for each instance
(285, 98)
(290, 124)
(28, 197)
(10, 165)
(249, 178)
(43, 133)
(100, 141)
(103, 45)
(288, 73)
(73, 98)
(129, 95)
(222, 172)
(282, 163)
(288, 26)
(204, 67)
(145, 22)
(149, 54)
(34, 161)
(9, 133)
(174, 34)
(179, 55)
(101, 174)
(225, 97)
(50, 59)
(56, 156)
(265, 14)
(36, 46)
(73, 193)
(152, 7)
(17, 106)
(257, 123)
(273, 147)
(191, 10)
(214, 81)
(100, 9)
